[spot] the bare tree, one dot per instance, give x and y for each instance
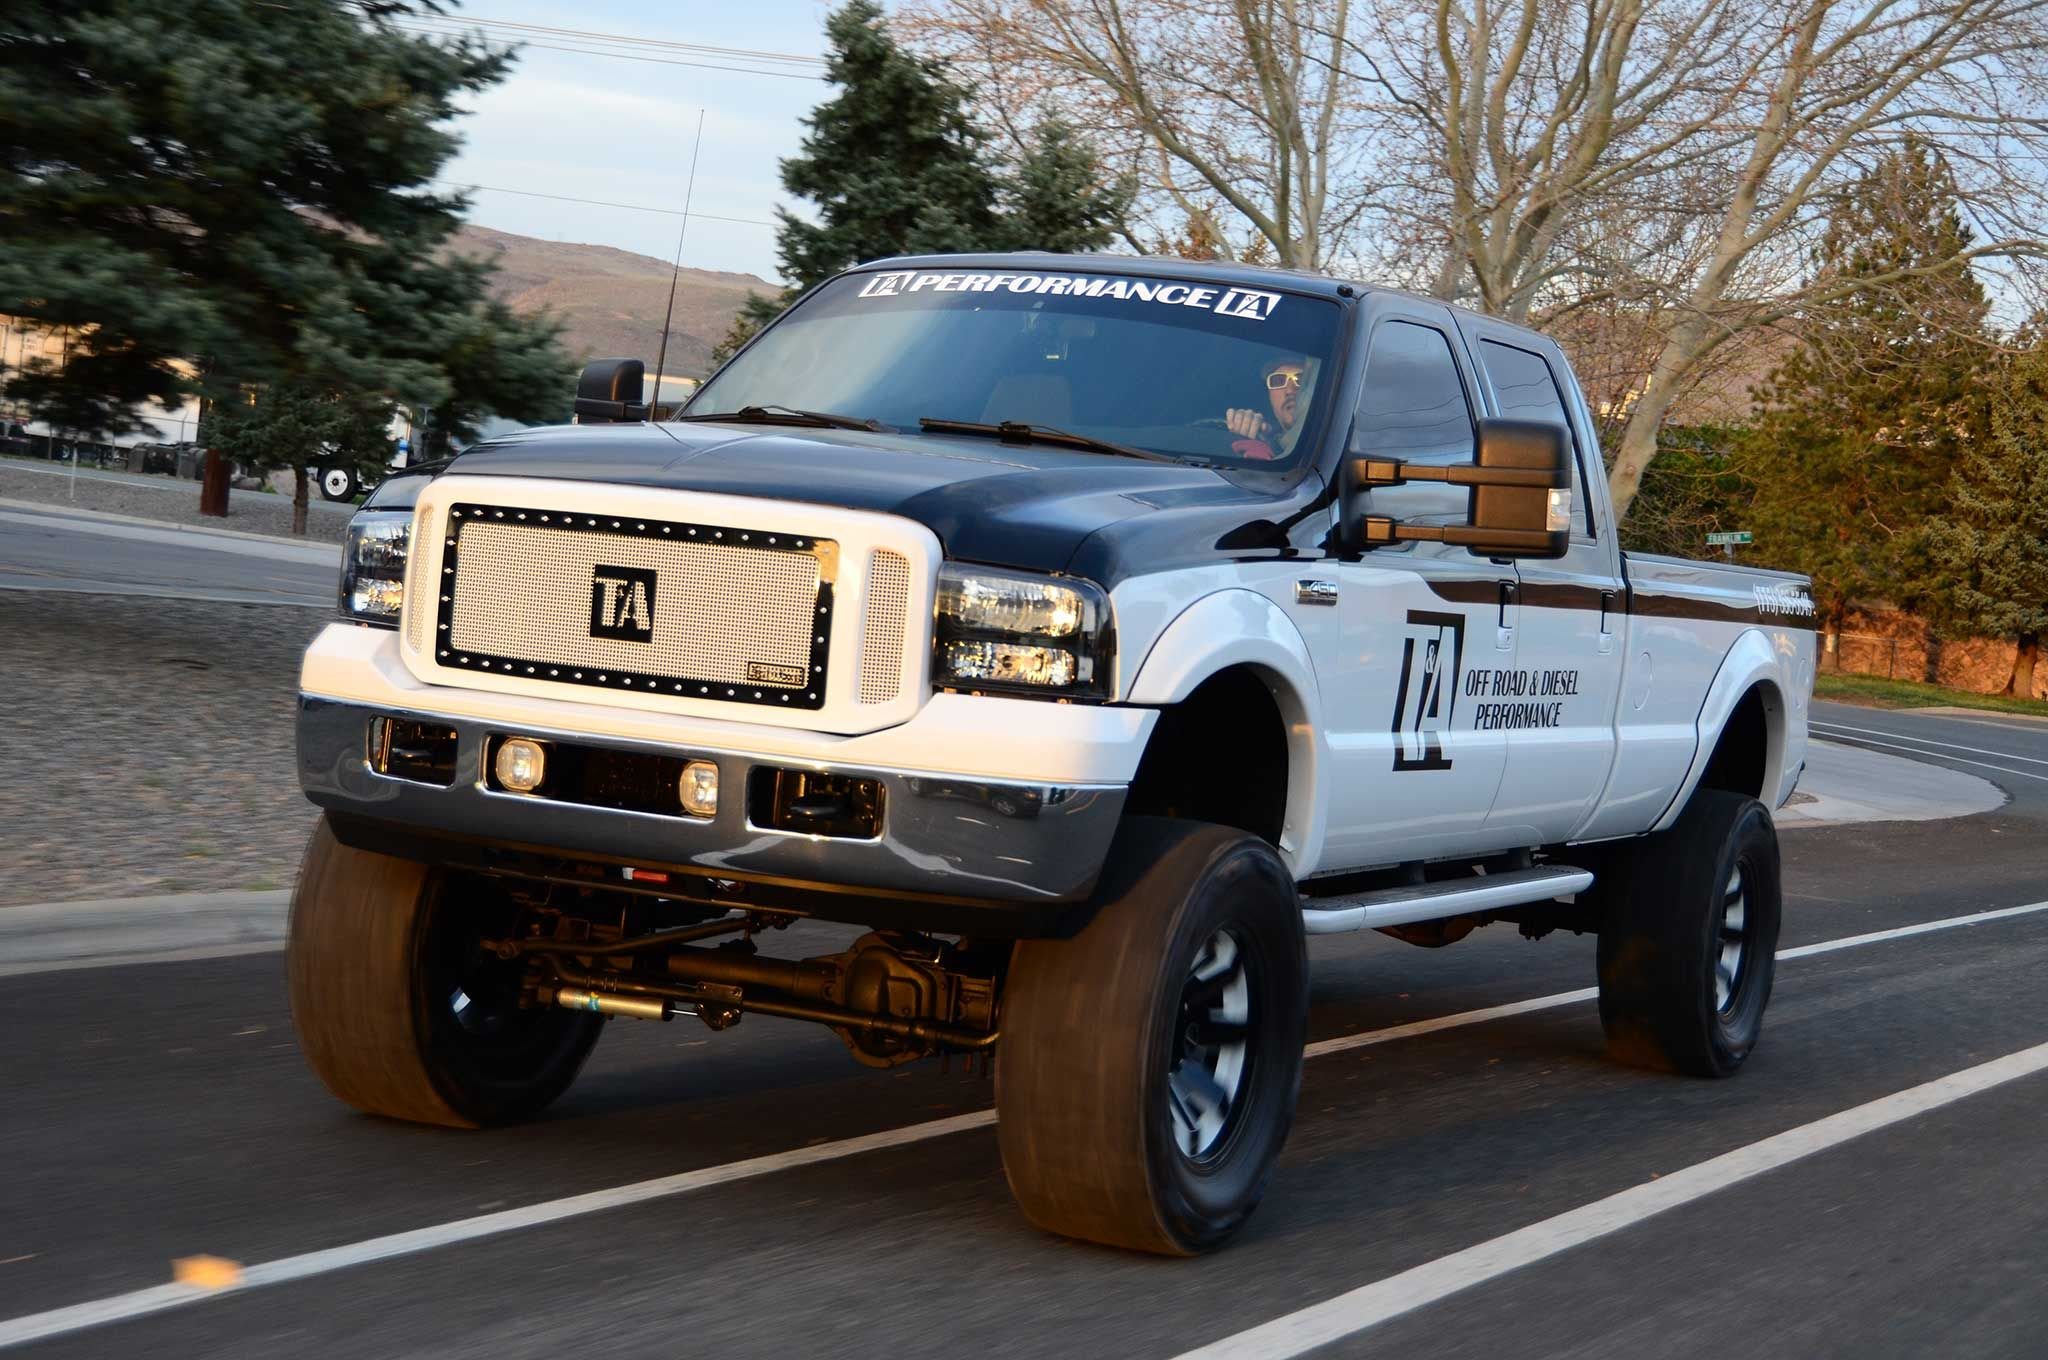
(1237, 105)
(1667, 163)
(1674, 160)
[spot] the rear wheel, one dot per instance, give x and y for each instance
(398, 1009)
(1689, 938)
(1149, 1066)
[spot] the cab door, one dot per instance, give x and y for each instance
(1411, 776)
(1555, 710)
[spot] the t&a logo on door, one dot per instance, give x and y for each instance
(1426, 696)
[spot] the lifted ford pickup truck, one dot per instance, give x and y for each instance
(1091, 630)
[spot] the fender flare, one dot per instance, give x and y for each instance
(1238, 627)
(1750, 663)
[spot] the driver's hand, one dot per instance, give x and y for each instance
(1246, 423)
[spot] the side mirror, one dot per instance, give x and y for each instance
(1521, 501)
(609, 392)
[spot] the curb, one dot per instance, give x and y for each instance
(48, 937)
(1985, 714)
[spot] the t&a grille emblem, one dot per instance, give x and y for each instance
(622, 603)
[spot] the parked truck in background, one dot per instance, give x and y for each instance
(1089, 630)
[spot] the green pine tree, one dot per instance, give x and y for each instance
(289, 425)
(243, 188)
(896, 165)
(1991, 547)
(1859, 429)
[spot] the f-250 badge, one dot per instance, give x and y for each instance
(1427, 697)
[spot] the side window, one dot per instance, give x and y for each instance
(1526, 390)
(1414, 403)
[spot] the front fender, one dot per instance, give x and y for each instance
(1242, 628)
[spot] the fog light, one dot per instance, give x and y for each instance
(520, 764)
(699, 788)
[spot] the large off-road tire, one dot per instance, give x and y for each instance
(1689, 938)
(1149, 1066)
(400, 1012)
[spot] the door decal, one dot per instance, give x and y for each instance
(1432, 655)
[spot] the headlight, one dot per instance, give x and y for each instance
(373, 567)
(1000, 630)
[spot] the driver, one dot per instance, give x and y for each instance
(1259, 438)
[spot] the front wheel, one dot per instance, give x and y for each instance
(398, 1008)
(1689, 938)
(1149, 1066)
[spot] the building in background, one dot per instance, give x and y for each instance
(22, 341)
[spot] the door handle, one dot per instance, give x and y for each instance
(1607, 599)
(1504, 632)
(1507, 602)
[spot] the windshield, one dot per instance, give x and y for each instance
(1207, 372)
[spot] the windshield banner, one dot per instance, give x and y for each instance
(1250, 304)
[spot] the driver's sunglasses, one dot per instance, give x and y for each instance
(1283, 377)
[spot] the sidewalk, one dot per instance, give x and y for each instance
(1846, 784)
(165, 500)
(143, 529)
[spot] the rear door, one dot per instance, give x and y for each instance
(1411, 776)
(1555, 707)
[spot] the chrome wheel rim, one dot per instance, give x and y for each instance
(1212, 1047)
(337, 482)
(1731, 942)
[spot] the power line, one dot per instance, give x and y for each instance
(601, 45)
(603, 203)
(622, 56)
(748, 53)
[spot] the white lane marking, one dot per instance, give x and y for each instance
(1925, 754)
(143, 1302)
(1369, 1305)
(1902, 932)
(1928, 741)
(1344, 1042)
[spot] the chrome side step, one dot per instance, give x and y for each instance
(1433, 901)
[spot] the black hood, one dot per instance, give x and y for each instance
(1031, 507)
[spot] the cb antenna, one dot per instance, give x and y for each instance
(689, 190)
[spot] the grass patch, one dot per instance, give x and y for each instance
(1875, 691)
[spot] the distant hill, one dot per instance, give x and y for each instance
(610, 300)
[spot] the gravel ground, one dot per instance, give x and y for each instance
(146, 746)
(167, 498)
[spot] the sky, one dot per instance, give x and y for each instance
(619, 130)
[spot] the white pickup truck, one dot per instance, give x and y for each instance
(1091, 631)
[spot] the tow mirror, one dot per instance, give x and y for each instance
(609, 392)
(1521, 501)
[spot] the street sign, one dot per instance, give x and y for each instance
(1724, 540)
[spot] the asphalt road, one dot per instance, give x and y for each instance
(2010, 751)
(49, 548)
(161, 1111)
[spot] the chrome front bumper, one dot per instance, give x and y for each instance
(944, 838)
